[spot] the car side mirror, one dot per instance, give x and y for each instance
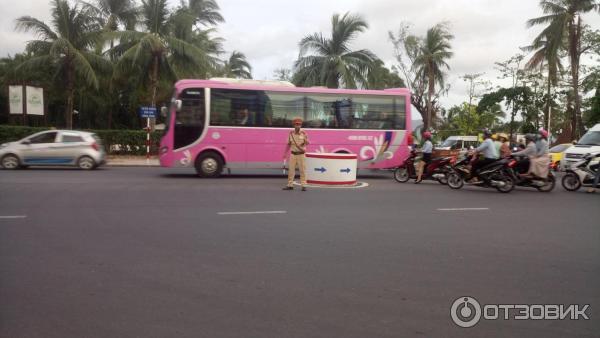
(27, 142)
(574, 143)
(178, 105)
(163, 111)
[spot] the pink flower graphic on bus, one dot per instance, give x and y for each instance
(379, 150)
(187, 159)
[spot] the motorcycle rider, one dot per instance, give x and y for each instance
(528, 153)
(427, 149)
(488, 150)
(504, 146)
(540, 163)
(596, 168)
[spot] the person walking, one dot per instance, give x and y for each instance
(296, 146)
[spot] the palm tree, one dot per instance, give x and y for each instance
(237, 66)
(546, 50)
(67, 47)
(433, 52)
(564, 21)
(157, 51)
(206, 12)
(330, 62)
(112, 15)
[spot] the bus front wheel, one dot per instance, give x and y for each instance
(209, 165)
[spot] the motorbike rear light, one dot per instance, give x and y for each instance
(95, 146)
(512, 163)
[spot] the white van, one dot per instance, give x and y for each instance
(459, 143)
(589, 143)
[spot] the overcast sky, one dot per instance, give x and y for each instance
(268, 31)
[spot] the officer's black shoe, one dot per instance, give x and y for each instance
(288, 188)
(303, 188)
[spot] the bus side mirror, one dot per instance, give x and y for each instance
(163, 111)
(178, 105)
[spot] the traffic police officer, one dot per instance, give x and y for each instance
(296, 142)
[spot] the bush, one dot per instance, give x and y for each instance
(116, 142)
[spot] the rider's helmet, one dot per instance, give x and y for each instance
(487, 133)
(530, 137)
(543, 133)
(427, 135)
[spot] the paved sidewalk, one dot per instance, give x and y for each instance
(132, 161)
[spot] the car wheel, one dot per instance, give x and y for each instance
(401, 174)
(209, 165)
(455, 181)
(571, 182)
(86, 163)
(10, 162)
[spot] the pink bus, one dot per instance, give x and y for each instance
(230, 124)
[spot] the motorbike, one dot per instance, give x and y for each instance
(517, 172)
(436, 170)
(492, 175)
(579, 174)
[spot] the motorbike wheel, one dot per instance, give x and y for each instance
(509, 183)
(571, 182)
(401, 175)
(549, 186)
(455, 181)
(443, 180)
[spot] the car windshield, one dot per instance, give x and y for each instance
(559, 148)
(449, 143)
(591, 138)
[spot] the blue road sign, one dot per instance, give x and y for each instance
(148, 112)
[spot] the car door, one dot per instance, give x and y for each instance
(39, 150)
(69, 147)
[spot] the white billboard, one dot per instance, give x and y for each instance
(35, 100)
(15, 99)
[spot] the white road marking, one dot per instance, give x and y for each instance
(251, 212)
(13, 217)
(461, 209)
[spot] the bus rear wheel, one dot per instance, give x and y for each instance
(209, 165)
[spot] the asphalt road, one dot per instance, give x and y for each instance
(152, 252)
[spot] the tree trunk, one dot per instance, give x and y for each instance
(154, 80)
(431, 88)
(574, 47)
(70, 95)
(548, 101)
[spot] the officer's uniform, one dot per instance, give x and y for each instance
(297, 143)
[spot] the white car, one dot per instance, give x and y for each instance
(54, 148)
(589, 143)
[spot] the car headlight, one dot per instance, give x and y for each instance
(3, 145)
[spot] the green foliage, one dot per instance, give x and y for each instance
(380, 77)
(330, 61)
(116, 142)
(591, 116)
